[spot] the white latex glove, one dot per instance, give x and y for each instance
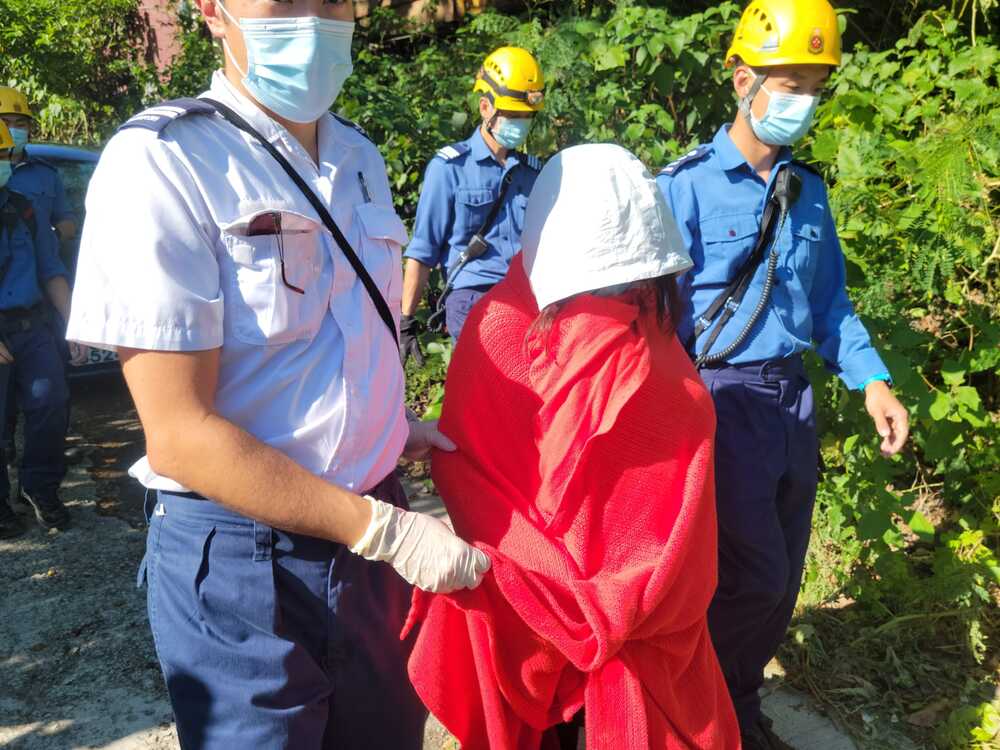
(424, 437)
(421, 548)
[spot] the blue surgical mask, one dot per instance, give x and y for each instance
(5, 172)
(295, 66)
(511, 134)
(20, 136)
(787, 118)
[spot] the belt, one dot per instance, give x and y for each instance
(22, 313)
(21, 318)
(767, 369)
(483, 288)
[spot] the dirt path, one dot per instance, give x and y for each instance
(77, 667)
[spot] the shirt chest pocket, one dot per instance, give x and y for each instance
(276, 278)
(383, 235)
(726, 243)
(472, 206)
(807, 239)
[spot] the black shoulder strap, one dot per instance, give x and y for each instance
(21, 211)
(373, 291)
(495, 208)
(729, 299)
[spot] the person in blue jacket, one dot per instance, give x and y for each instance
(747, 339)
(475, 187)
(30, 272)
(39, 182)
(33, 177)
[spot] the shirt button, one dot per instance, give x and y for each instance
(732, 232)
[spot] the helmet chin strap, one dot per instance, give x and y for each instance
(490, 122)
(746, 101)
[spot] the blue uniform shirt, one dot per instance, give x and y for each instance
(26, 262)
(41, 184)
(460, 186)
(718, 200)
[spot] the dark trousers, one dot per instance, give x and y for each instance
(39, 380)
(457, 306)
(276, 640)
(766, 475)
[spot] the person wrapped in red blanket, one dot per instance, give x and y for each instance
(584, 470)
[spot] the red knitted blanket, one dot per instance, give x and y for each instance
(584, 470)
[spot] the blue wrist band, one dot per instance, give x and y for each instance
(883, 376)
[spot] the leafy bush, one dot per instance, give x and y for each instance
(911, 144)
(79, 59)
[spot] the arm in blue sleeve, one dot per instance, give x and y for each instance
(60, 206)
(841, 338)
(681, 200)
(47, 260)
(435, 215)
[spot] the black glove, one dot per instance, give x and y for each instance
(409, 327)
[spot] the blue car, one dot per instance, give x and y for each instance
(76, 166)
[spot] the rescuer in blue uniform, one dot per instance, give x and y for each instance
(472, 203)
(30, 271)
(768, 283)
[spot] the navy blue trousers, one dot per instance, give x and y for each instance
(276, 640)
(765, 474)
(457, 306)
(38, 378)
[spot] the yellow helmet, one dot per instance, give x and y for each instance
(13, 102)
(511, 79)
(6, 141)
(786, 32)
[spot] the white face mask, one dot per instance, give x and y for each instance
(297, 66)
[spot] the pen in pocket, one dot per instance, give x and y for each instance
(364, 188)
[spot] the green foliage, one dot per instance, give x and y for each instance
(974, 727)
(425, 385)
(79, 59)
(910, 141)
(191, 71)
(913, 143)
(637, 76)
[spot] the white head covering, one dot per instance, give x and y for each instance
(595, 219)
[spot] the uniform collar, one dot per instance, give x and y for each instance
(480, 151)
(330, 133)
(730, 157)
(225, 92)
(478, 148)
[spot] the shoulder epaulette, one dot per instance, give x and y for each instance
(807, 167)
(351, 124)
(691, 156)
(42, 162)
(454, 151)
(532, 161)
(157, 118)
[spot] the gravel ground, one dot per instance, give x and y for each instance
(77, 667)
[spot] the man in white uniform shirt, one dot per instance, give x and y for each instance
(267, 379)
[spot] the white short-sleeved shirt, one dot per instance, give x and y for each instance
(167, 263)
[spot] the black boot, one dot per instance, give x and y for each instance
(49, 510)
(10, 523)
(762, 737)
